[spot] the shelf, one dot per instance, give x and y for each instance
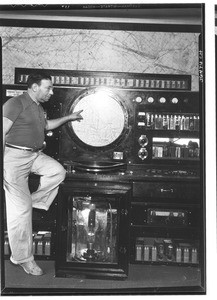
(166, 263)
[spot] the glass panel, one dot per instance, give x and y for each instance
(103, 119)
(92, 230)
(176, 148)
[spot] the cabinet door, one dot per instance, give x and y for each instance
(92, 239)
(178, 191)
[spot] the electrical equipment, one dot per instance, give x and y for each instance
(92, 240)
(129, 119)
(142, 130)
(166, 251)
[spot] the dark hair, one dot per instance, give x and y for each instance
(37, 78)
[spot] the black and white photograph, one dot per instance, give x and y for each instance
(103, 130)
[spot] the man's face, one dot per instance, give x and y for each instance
(44, 91)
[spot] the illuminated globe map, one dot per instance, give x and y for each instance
(103, 119)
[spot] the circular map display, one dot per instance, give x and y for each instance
(103, 119)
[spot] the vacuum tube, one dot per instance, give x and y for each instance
(92, 231)
(90, 253)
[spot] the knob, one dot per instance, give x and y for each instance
(138, 99)
(143, 153)
(143, 140)
(162, 100)
(150, 99)
(175, 100)
(49, 133)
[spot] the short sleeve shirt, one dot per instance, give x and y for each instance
(28, 117)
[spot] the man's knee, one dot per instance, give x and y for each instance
(63, 173)
(60, 172)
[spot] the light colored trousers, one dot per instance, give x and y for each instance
(18, 164)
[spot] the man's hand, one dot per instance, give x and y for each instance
(53, 124)
(76, 116)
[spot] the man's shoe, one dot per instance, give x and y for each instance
(31, 268)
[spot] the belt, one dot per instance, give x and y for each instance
(26, 148)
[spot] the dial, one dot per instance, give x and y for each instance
(104, 118)
(143, 140)
(143, 153)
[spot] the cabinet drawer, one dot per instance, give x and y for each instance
(188, 191)
(165, 216)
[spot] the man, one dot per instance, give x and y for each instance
(24, 124)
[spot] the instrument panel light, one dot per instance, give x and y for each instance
(150, 99)
(175, 100)
(162, 100)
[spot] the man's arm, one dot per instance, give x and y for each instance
(52, 124)
(7, 124)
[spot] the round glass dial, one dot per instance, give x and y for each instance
(103, 119)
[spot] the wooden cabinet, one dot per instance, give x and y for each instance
(92, 229)
(166, 223)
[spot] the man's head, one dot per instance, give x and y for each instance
(40, 86)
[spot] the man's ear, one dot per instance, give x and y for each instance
(34, 87)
